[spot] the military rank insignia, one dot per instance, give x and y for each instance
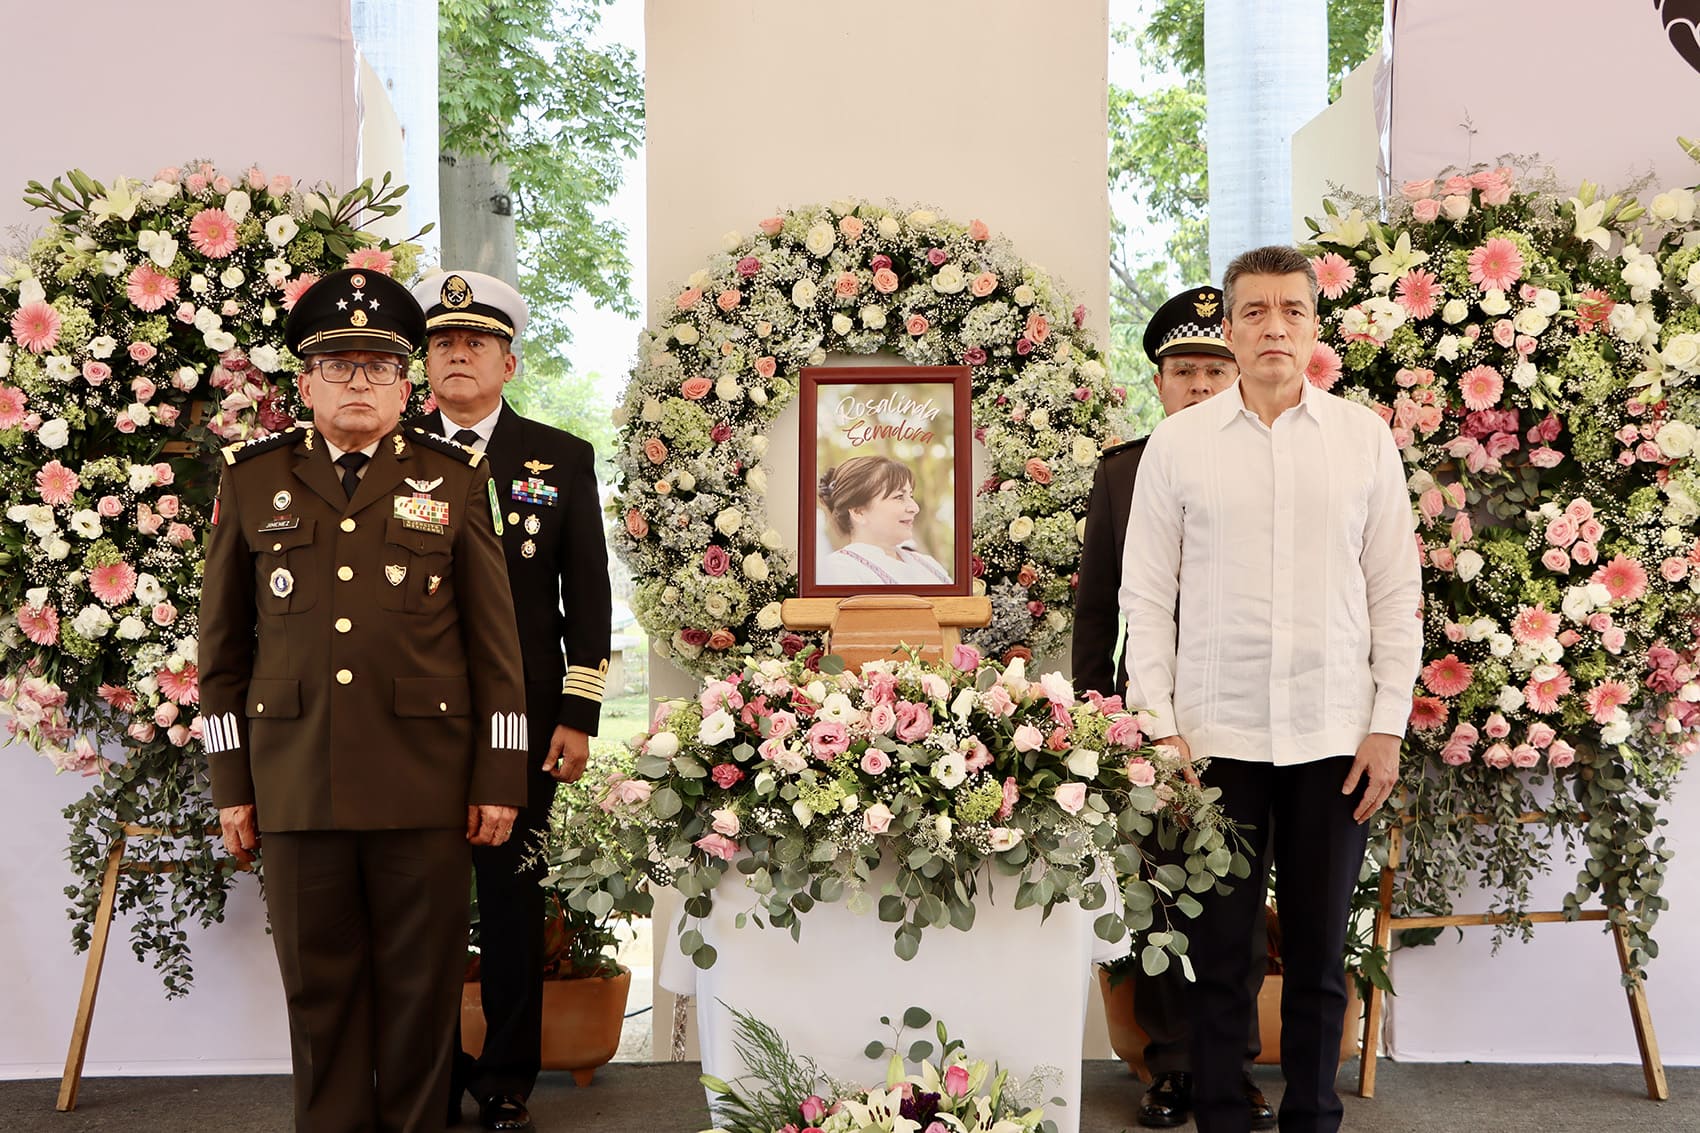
(534, 491)
(419, 512)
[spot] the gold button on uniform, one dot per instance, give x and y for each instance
(259, 708)
(513, 517)
(343, 676)
(443, 706)
(343, 625)
(345, 572)
(348, 525)
(277, 546)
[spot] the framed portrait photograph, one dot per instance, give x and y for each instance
(886, 499)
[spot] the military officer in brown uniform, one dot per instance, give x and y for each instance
(1193, 363)
(558, 569)
(362, 708)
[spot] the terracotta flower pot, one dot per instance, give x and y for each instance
(581, 1022)
(1128, 1039)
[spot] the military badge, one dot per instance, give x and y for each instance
(537, 467)
(532, 524)
(422, 513)
(424, 485)
(282, 583)
(395, 572)
(535, 491)
(528, 548)
(455, 293)
(280, 501)
(400, 444)
(432, 583)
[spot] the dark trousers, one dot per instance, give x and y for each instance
(370, 931)
(510, 939)
(1318, 851)
(1162, 1003)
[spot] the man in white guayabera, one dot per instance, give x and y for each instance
(1277, 516)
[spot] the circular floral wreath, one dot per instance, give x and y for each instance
(718, 366)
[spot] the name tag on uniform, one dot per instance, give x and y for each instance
(280, 523)
(535, 491)
(422, 513)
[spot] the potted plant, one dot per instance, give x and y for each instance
(1365, 963)
(584, 986)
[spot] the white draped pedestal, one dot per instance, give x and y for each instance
(1013, 989)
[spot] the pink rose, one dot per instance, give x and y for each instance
(1457, 184)
(1431, 503)
(141, 731)
(1599, 622)
(749, 266)
(1071, 797)
(1455, 754)
(166, 714)
(772, 225)
(1584, 553)
(164, 614)
(937, 257)
(109, 506)
(851, 226)
(1442, 560)
(167, 414)
(1541, 734)
(168, 506)
(1674, 569)
(729, 299)
(1417, 190)
(1504, 332)
(123, 424)
(1613, 640)
(280, 184)
(812, 1109)
(913, 721)
(882, 718)
(877, 818)
(875, 761)
(983, 284)
(1140, 772)
(142, 352)
(917, 325)
(143, 389)
(163, 475)
(1524, 756)
(1498, 756)
(1124, 732)
(1426, 211)
(1554, 559)
(179, 535)
(1455, 632)
(726, 822)
(179, 734)
(1578, 509)
(717, 846)
(96, 372)
(885, 281)
(998, 702)
(1560, 754)
(1496, 727)
(956, 1077)
(148, 521)
(781, 724)
(1591, 529)
(1561, 532)
(1462, 530)
(828, 738)
(1027, 738)
(688, 298)
(766, 366)
(965, 658)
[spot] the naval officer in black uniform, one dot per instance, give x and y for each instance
(558, 571)
(1184, 342)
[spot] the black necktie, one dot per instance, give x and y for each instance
(351, 463)
(467, 437)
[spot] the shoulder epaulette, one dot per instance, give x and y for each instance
(242, 450)
(449, 448)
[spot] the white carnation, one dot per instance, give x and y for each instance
(91, 622)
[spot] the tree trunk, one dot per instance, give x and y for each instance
(478, 218)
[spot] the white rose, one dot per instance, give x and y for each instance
(725, 821)
(755, 568)
(841, 323)
(132, 628)
(1494, 303)
(731, 241)
(207, 319)
(232, 276)
(1682, 352)
(1455, 311)
(1675, 439)
(685, 481)
(686, 334)
(756, 478)
(651, 411)
(963, 706)
(199, 284)
(942, 827)
(1447, 348)
(103, 346)
(1083, 452)
(1598, 594)
(1024, 295)
(5, 359)
(138, 413)
(1083, 763)
(1530, 321)
(817, 357)
(1040, 419)
(950, 769)
(281, 229)
(54, 434)
(1469, 564)
(663, 744)
(771, 539)
(57, 548)
(1020, 528)
(698, 279)
(717, 727)
(265, 359)
(726, 388)
(728, 521)
(949, 280)
(758, 446)
(716, 605)
(889, 226)
(921, 219)
(804, 814)
(1510, 698)
(1501, 644)
(873, 317)
(187, 378)
(769, 616)
(820, 239)
(803, 293)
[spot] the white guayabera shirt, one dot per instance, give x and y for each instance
(1290, 551)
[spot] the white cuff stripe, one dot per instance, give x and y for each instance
(219, 733)
(509, 731)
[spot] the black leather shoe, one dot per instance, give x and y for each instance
(1262, 1113)
(505, 1112)
(1168, 1102)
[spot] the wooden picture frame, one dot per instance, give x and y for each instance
(918, 417)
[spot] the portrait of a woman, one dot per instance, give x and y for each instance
(871, 503)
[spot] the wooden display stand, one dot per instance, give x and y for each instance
(1652, 1067)
(875, 627)
(115, 864)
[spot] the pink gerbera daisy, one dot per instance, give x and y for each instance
(113, 583)
(1334, 273)
(183, 686)
(1497, 265)
(1604, 699)
(40, 624)
(1428, 713)
(1418, 292)
(36, 326)
(56, 483)
(1447, 676)
(213, 233)
(1323, 369)
(1625, 578)
(149, 289)
(1481, 387)
(1533, 624)
(372, 259)
(118, 696)
(12, 405)
(297, 287)
(1548, 683)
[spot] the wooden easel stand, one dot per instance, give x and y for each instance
(1652, 1066)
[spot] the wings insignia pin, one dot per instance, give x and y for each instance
(424, 485)
(537, 467)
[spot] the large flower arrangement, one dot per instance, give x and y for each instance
(1534, 356)
(805, 782)
(715, 370)
(948, 1093)
(139, 332)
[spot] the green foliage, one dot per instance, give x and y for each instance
(521, 84)
(548, 390)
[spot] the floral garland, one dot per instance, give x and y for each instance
(716, 369)
(143, 329)
(1535, 358)
(808, 780)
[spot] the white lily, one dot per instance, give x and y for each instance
(1394, 262)
(1588, 226)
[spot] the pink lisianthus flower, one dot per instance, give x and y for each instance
(1071, 797)
(828, 739)
(717, 846)
(913, 721)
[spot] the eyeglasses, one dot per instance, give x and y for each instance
(339, 371)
